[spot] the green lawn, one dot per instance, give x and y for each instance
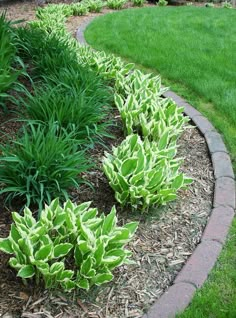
(192, 47)
(194, 50)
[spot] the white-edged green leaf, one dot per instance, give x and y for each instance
(62, 249)
(56, 268)
(102, 278)
(83, 283)
(5, 246)
(178, 182)
(132, 227)
(44, 252)
(129, 166)
(109, 222)
(27, 271)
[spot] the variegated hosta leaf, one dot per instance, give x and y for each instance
(145, 173)
(41, 247)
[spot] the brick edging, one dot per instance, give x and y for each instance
(195, 272)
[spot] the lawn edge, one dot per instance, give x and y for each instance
(197, 268)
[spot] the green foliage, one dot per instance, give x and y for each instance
(107, 65)
(41, 164)
(79, 8)
(226, 5)
(48, 53)
(162, 3)
(59, 11)
(138, 3)
(94, 5)
(69, 246)
(76, 99)
(150, 117)
(116, 4)
(144, 111)
(209, 5)
(136, 82)
(144, 173)
(8, 75)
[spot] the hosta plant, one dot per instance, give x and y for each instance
(94, 5)
(116, 4)
(79, 9)
(68, 247)
(144, 173)
(226, 5)
(135, 82)
(162, 3)
(57, 10)
(138, 3)
(209, 5)
(107, 65)
(151, 117)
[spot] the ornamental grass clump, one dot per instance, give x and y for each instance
(144, 173)
(76, 99)
(8, 75)
(68, 247)
(41, 164)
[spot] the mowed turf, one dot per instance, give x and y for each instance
(193, 48)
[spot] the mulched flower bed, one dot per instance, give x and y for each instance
(164, 240)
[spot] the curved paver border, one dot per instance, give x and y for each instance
(195, 272)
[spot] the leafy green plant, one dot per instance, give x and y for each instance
(116, 4)
(43, 163)
(8, 75)
(76, 99)
(138, 3)
(135, 82)
(69, 246)
(144, 111)
(144, 173)
(58, 10)
(209, 5)
(107, 65)
(151, 117)
(94, 5)
(226, 4)
(47, 53)
(79, 8)
(162, 3)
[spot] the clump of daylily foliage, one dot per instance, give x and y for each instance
(69, 246)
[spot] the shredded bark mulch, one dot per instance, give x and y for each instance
(163, 242)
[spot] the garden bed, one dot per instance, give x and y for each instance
(163, 242)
